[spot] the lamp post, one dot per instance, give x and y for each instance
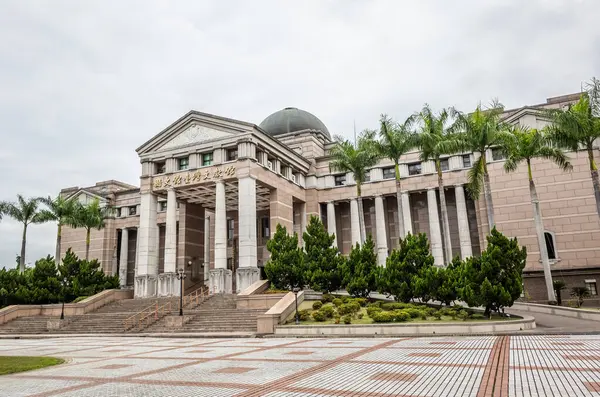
(295, 291)
(181, 276)
(62, 309)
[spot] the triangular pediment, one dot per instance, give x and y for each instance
(194, 133)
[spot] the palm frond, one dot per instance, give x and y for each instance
(475, 179)
(557, 156)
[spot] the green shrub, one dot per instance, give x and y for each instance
(304, 315)
(79, 299)
(327, 298)
(338, 302)
(327, 310)
(463, 315)
(372, 310)
(349, 308)
(337, 318)
(413, 312)
(401, 316)
(437, 315)
(423, 315)
(477, 316)
(317, 305)
(383, 317)
(375, 304)
(319, 316)
(393, 306)
(360, 315)
(361, 301)
(345, 299)
(347, 319)
(431, 311)
(449, 312)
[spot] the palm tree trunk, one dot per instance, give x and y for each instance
(401, 229)
(87, 245)
(23, 244)
(58, 237)
(487, 192)
(539, 228)
(595, 179)
(361, 216)
(444, 210)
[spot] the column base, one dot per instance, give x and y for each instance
(245, 277)
(123, 277)
(145, 286)
(168, 284)
(220, 281)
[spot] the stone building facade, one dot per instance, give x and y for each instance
(213, 189)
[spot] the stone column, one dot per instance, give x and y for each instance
(220, 276)
(435, 234)
(168, 284)
(206, 248)
(406, 213)
(147, 269)
(382, 249)
(123, 257)
(331, 227)
(248, 272)
(354, 222)
(464, 234)
(302, 223)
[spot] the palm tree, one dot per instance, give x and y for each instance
(528, 145)
(577, 127)
(26, 212)
(395, 140)
(435, 140)
(357, 159)
(482, 130)
(90, 216)
(62, 211)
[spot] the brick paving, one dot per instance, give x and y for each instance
(478, 366)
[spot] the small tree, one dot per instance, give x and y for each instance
(427, 283)
(448, 282)
(322, 259)
(285, 268)
(358, 272)
(90, 216)
(397, 278)
(558, 286)
(84, 278)
(494, 280)
(580, 293)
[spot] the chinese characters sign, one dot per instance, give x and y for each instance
(193, 177)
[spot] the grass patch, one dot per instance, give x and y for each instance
(11, 365)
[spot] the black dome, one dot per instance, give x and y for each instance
(291, 120)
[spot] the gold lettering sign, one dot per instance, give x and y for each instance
(190, 177)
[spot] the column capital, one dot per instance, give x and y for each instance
(431, 188)
(247, 176)
(404, 191)
(377, 195)
(459, 185)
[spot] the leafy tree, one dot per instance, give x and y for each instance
(43, 282)
(322, 259)
(494, 280)
(84, 278)
(435, 140)
(527, 145)
(360, 269)
(399, 275)
(357, 159)
(90, 216)
(558, 286)
(448, 282)
(395, 140)
(482, 130)
(580, 293)
(578, 127)
(285, 268)
(26, 212)
(427, 283)
(62, 211)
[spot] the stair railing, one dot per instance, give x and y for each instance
(195, 298)
(148, 316)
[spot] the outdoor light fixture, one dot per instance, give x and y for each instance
(295, 291)
(62, 309)
(181, 276)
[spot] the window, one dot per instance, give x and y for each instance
(230, 263)
(118, 212)
(161, 167)
(466, 160)
(389, 173)
(132, 210)
(550, 245)
(184, 163)
(444, 164)
(340, 180)
(414, 169)
(591, 286)
(265, 226)
(230, 225)
(498, 154)
(163, 205)
(232, 154)
(367, 177)
(207, 159)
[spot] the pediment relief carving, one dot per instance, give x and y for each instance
(195, 133)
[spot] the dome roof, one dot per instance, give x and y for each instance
(291, 120)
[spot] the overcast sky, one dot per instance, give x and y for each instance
(84, 83)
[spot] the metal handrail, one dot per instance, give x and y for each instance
(195, 298)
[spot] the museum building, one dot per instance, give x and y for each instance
(213, 189)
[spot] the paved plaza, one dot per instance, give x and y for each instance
(532, 365)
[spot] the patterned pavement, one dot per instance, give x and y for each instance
(532, 365)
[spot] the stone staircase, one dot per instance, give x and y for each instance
(217, 314)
